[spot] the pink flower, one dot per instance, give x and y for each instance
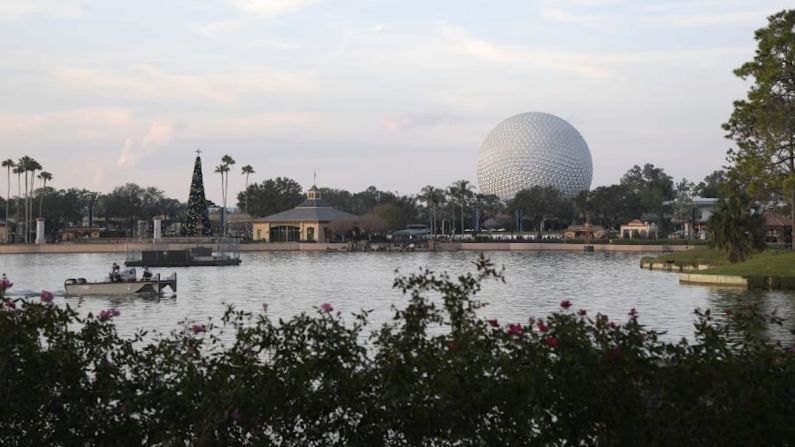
(791, 349)
(493, 323)
(106, 315)
(453, 346)
(542, 326)
(46, 297)
(581, 312)
(612, 325)
(633, 314)
(552, 341)
(515, 329)
(5, 284)
(326, 307)
(9, 304)
(565, 304)
(198, 328)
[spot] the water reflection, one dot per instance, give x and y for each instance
(765, 304)
(295, 282)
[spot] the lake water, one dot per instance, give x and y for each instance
(294, 282)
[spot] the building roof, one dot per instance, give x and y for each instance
(310, 210)
(585, 227)
(774, 220)
(636, 223)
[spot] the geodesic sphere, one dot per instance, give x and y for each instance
(534, 149)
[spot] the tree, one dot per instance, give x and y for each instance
(371, 223)
(763, 124)
(26, 165)
(8, 164)
(490, 205)
(462, 192)
(539, 203)
(66, 207)
(33, 166)
(247, 170)
(18, 170)
(44, 176)
(652, 186)
(683, 207)
(272, 196)
(736, 226)
(711, 185)
(392, 215)
(226, 163)
(434, 198)
(131, 202)
(197, 220)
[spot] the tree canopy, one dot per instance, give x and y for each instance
(763, 124)
(271, 196)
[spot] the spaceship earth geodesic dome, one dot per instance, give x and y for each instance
(534, 149)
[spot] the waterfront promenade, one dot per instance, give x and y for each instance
(124, 246)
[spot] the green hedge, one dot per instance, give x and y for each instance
(434, 375)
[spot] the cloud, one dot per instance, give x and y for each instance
(159, 134)
(563, 16)
(83, 122)
(127, 156)
(737, 18)
(15, 9)
(272, 8)
(414, 120)
(574, 63)
(147, 82)
(264, 122)
(378, 27)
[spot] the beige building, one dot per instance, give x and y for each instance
(586, 231)
(638, 229)
(313, 220)
(4, 231)
(72, 234)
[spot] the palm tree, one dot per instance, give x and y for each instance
(223, 169)
(462, 191)
(247, 170)
(33, 166)
(433, 197)
(18, 171)
(44, 176)
(24, 165)
(8, 163)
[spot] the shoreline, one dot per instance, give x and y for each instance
(123, 247)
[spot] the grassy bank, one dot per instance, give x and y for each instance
(709, 256)
(767, 263)
(774, 269)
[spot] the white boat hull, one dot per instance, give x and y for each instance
(148, 287)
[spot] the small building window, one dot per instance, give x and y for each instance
(285, 233)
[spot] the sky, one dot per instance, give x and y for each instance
(393, 93)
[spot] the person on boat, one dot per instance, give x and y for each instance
(147, 275)
(115, 276)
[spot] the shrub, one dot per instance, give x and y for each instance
(435, 375)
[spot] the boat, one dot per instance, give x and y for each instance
(213, 253)
(125, 283)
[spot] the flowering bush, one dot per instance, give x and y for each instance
(316, 380)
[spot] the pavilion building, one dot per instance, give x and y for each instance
(637, 229)
(314, 220)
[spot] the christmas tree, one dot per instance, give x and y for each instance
(197, 221)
